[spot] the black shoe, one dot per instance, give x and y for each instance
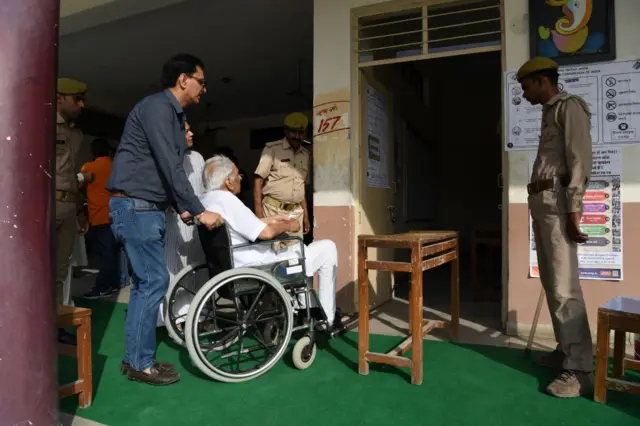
(97, 293)
(67, 338)
(157, 377)
(125, 367)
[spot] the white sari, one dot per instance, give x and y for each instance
(182, 245)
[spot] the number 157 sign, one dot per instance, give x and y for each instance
(331, 118)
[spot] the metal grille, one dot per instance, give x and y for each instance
(390, 35)
(457, 26)
(420, 32)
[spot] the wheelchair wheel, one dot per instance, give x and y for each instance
(236, 350)
(271, 332)
(182, 289)
(303, 353)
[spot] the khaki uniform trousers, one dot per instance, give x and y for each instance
(65, 238)
(559, 273)
(270, 210)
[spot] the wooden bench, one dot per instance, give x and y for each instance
(83, 386)
(428, 250)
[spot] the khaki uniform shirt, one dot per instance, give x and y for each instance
(68, 142)
(564, 151)
(285, 172)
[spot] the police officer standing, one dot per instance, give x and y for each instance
(282, 174)
(69, 211)
(559, 179)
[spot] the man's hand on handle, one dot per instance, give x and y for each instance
(186, 218)
(573, 229)
(210, 219)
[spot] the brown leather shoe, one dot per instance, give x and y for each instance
(125, 367)
(157, 377)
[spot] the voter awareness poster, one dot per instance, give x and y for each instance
(600, 258)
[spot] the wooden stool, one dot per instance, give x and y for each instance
(621, 314)
(428, 250)
(81, 318)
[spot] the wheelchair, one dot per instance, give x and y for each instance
(241, 320)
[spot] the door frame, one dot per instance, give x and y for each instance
(357, 110)
(384, 280)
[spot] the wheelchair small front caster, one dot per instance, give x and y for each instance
(304, 353)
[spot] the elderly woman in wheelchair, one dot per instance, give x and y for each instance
(255, 293)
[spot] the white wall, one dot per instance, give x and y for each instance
(517, 52)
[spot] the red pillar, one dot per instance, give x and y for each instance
(28, 382)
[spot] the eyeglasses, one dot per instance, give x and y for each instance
(201, 81)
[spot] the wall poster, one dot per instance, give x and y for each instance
(377, 124)
(611, 89)
(600, 258)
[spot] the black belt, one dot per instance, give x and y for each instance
(538, 186)
(160, 206)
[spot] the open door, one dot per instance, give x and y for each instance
(377, 211)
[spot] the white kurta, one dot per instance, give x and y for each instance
(182, 245)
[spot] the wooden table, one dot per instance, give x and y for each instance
(429, 249)
(83, 386)
(621, 314)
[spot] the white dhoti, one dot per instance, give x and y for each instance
(321, 257)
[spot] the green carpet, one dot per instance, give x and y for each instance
(463, 385)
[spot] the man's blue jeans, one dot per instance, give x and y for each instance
(124, 268)
(140, 227)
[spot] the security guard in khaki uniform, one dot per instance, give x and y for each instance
(559, 179)
(282, 174)
(69, 212)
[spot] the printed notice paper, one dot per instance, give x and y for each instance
(377, 139)
(612, 90)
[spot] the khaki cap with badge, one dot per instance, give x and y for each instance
(68, 86)
(536, 64)
(296, 121)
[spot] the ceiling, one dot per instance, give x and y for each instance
(258, 44)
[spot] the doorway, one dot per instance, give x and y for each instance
(444, 156)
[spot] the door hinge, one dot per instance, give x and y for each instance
(359, 218)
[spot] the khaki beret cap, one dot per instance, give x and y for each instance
(534, 65)
(67, 86)
(296, 121)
